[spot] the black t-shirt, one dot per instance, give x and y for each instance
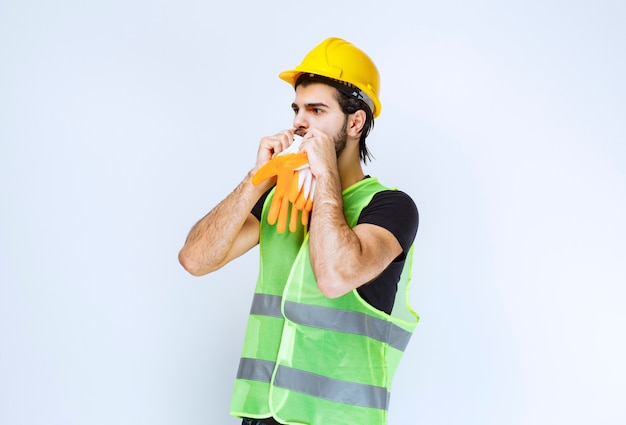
(395, 211)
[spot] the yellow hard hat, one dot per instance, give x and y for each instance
(340, 60)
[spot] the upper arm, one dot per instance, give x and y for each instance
(379, 247)
(395, 211)
(393, 220)
(349, 267)
(384, 233)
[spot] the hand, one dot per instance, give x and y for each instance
(321, 152)
(295, 185)
(271, 146)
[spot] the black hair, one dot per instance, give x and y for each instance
(349, 105)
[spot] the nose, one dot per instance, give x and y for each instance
(299, 120)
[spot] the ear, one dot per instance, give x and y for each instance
(356, 122)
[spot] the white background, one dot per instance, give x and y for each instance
(124, 122)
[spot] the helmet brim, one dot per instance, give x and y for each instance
(290, 76)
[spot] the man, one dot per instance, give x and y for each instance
(330, 317)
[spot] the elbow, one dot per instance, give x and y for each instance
(333, 280)
(191, 264)
(332, 285)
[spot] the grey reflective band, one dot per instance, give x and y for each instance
(348, 321)
(314, 385)
(255, 369)
(332, 389)
(266, 305)
(332, 319)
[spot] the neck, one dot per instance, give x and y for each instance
(350, 170)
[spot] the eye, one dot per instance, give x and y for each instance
(317, 111)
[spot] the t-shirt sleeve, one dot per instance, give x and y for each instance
(257, 210)
(395, 211)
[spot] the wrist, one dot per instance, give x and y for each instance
(329, 179)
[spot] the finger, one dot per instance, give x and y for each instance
(294, 146)
(284, 140)
(282, 215)
(312, 191)
(265, 172)
(293, 222)
(294, 190)
(308, 206)
(275, 144)
(272, 214)
(300, 200)
(296, 160)
(270, 147)
(283, 183)
(306, 181)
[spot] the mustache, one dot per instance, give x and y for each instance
(300, 132)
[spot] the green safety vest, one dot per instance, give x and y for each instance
(309, 359)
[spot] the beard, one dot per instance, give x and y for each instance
(341, 138)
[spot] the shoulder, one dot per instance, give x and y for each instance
(395, 211)
(396, 198)
(392, 203)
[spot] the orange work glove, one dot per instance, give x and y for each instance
(295, 186)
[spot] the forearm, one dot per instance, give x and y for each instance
(211, 241)
(333, 245)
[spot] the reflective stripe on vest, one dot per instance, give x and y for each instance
(333, 319)
(266, 305)
(255, 369)
(315, 385)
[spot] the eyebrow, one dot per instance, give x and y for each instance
(311, 105)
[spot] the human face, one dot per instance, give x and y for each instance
(316, 107)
